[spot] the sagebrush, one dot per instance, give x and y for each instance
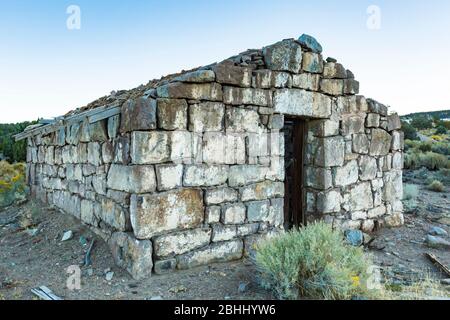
(314, 262)
(12, 182)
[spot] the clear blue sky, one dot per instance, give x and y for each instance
(47, 70)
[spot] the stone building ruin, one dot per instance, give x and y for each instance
(199, 166)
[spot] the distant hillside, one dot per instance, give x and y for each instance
(9, 149)
(443, 114)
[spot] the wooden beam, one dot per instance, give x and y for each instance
(93, 116)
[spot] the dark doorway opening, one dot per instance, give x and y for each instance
(295, 131)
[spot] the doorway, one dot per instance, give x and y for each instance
(295, 132)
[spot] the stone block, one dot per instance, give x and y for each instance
(233, 213)
(218, 252)
(94, 153)
(73, 134)
(346, 175)
(310, 43)
(351, 86)
(262, 191)
(194, 91)
(223, 148)
(181, 147)
(172, 114)
(113, 126)
(114, 215)
(334, 70)
(154, 214)
(306, 81)
(169, 176)
(330, 152)
(284, 56)
(329, 201)
(206, 116)
(312, 62)
(377, 212)
(334, 87)
(398, 138)
(352, 124)
(380, 143)
(242, 120)
(122, 150)
(98, 131)
(324, 128)
(246, 174)
(373, 120)
(258, 211)
(180, 242)
(165, 266)
(87, 213)
(360, 143)
(228, 73)
(220, 195)
(368, 168)
(132, 179)
(299, 102)
(213, 214)
(393, 122)
(197, 76)
(107, 152)
(393, 186)
(250, 96)
(360, 197)
(247, 229)
(150, 147)
(205, 175)
(223, 233)
(376, 107)
(133, 255)
(138, 114)
(319, 178)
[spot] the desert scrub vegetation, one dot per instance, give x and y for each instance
(410, 194)
(429, 160)
(12, 182)
(436, 186)
(314, 262)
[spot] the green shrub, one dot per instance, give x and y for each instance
(314, 262)
(410, 193)
(436, 186)
(409, 131)
(422, 123)
(441, 148)
(12, 182)
(429, 160)
(441, 130)
(411, 144)
(425, 147)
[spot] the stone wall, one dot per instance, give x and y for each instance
(192, 170)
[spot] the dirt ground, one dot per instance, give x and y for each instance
(32, 254)
(28, 261)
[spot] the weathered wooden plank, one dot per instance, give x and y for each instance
(45, 293)
(93, 116)
(104, 114)
(438, 263)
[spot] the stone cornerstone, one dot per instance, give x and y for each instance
(190, 170)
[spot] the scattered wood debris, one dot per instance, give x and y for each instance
(438, 263)
(45, 293)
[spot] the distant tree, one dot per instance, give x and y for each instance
(441, 130)
(446, 124)
(410, 131)
(13, 151)
(422, 123)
